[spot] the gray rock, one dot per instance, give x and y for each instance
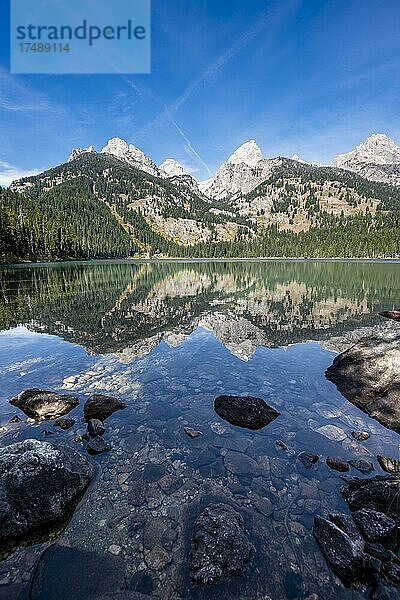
(245, 411)
(379, 493)
(64, 423)
(96, 428)
(170, 484)
(153, 472)
(192, 433)
(101, 407)
(390, 465)
(367, 374)
(337, 464)
(220, 547)
(344, 555)
(70, 573)
(241, 464)
(97, 445)
(38, 486)
(41, 404)
(282, 445)
(374, 525)
(308, 459)
(360, 436)
(364, 466)
(385, 592)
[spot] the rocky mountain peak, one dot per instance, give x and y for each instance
(78, 151)
(297, 157)
(377, 149)
(248, 153)
(131, 155)
(171, 168)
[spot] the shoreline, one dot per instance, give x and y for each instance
(162, 259)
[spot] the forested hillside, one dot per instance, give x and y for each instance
(97, 206)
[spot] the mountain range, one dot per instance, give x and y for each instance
(119, 202)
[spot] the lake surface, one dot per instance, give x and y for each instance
(168, 338)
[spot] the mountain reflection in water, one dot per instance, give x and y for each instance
(129, 307)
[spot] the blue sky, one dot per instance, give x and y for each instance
(312, 77)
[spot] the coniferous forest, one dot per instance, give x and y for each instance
(97, 207)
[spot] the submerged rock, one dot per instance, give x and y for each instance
(245, 411)
(96, 428)
(337, 464)
(64, 423)
(38, 485)
(66, 573)
(344, 554)
(192, 433)
(101, 407)
(97, 445)
(41, 404)
(241, 464)
(364, 466)
(308, 459)
(360, 436)
(220, 547)
(368, 375)
(390, 465)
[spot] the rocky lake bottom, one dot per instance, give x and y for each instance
(168, 456)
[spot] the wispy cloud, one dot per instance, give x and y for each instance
(9, 173)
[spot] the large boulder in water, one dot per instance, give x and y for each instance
(42, 404)
(39, 483)
(220, 546)
(245, 411)
(100, 407)
(368, 375)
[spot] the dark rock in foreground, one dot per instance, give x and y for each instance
(70, 573)
(343, 553)
(368, 376)
(101, 407)
(391, 314)
(381, 493)
(42, 404)
(374, 525)
(220, 547)
(245, 411)
(39, 483)
(308, 459)
(390, 465)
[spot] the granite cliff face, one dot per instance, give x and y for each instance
(377, 158)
